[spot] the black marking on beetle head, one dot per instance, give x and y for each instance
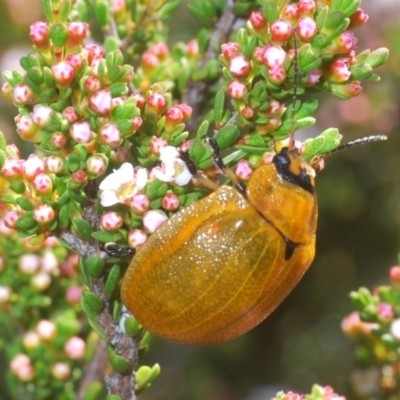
(282, 163)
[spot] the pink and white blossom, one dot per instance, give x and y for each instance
(121, 185)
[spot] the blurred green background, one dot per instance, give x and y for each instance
(358, 236)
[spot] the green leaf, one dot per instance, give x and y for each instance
(63, 217)
(119, 363)
(94, 266)
(132, 326)
(83, 227)
(93, 301)
(112, 280)
(84, 272)
(219, 106)
(103, 236)
(25, 204)
(227, 136)
(271, 11)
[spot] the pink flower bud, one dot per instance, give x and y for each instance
(237, 90)
(100, 102)
(10, 218)
(118, 101)
(186, 111)
(43, 214)
(346, 90)
(46, 330)
(27, 129)
(7, 90)
(394, 275)
(291, 12)
(13, 151)
(258, 55)
(243, 170)
(149, 61)
(274, 55)
(306, 29)
(5, 294)
(192, 48)
(60, 371)
(277, 74)
(12, 168)
(77, 32)
(93, 50)
(39, 34)
(267, 157)
(230, 49)
(385, 312)
(140, 203)
(136, 238)
(79, 176)
(22, 94)
(32, 167)
(156, 144)
(344, 43)
(170, 202)
(75, 61)
(111, 221)
(281, 31)
(96, 165)
(258, 21)
(156, 102)
(313, 77)
(54, 164)
(173, 117)
(49, 262)
(121, 155)
(70, 114)
(75, 348)
(29, 263)
(160, 50)
(239, 66)
(31, 340)
(307, 7)
(93, 84)
(42, 183)
(21, 366)
(41, 115)
(247, 112)
(73, 294)
(358, 18)
(118, 6)
(110, 134)
(136, 123)
(153, 219)
(140, 100)
(63, 73)
(81, 132)
(338, 71)
(58, 140)
(41, 281)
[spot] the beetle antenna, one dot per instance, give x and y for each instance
(295, 77)
(363, 140)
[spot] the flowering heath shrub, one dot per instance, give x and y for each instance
(118, 129)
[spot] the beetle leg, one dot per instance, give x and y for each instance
(221, 165)
(204, 181)
(116, 250)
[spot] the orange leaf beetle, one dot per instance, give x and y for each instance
(221, 265)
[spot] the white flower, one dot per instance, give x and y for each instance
(122, 184)
(173, 168)
(395, 329)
